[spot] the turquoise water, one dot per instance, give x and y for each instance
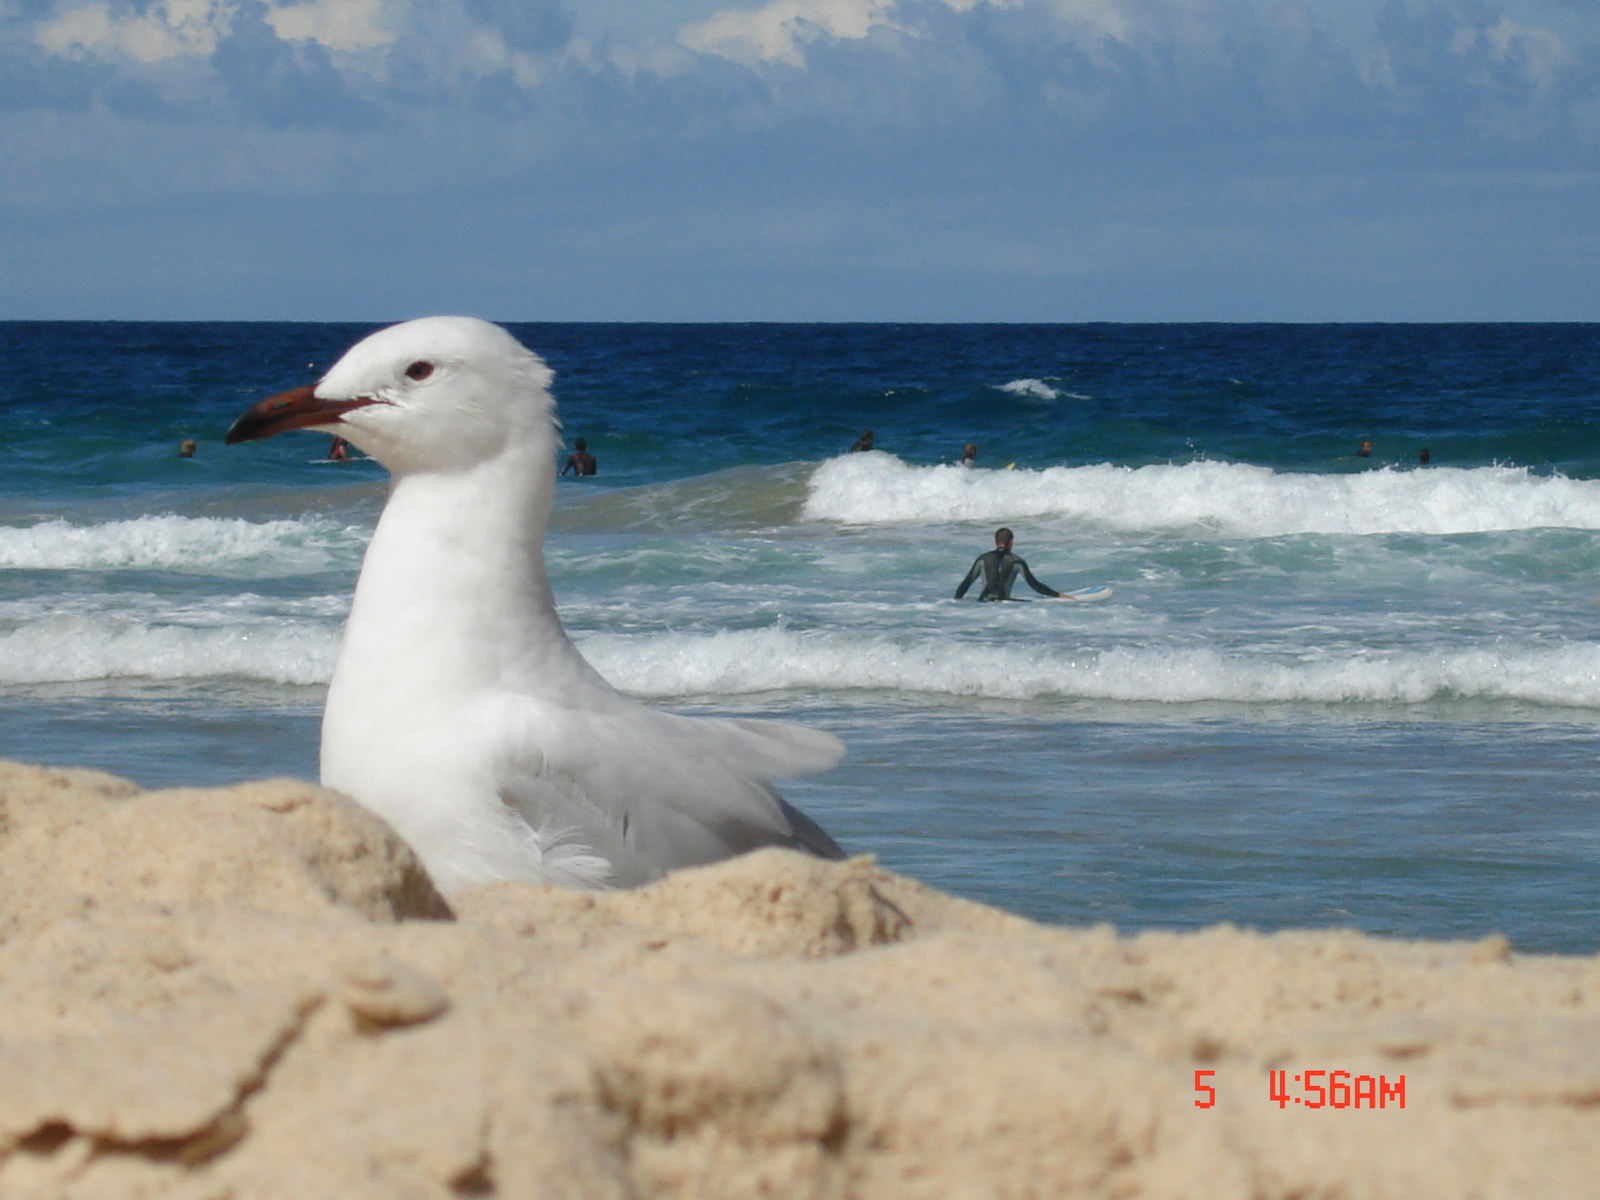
(1328, 689)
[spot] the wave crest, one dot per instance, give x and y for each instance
(772, 660)
(181, 544)
(71, 649)
(76, 649)
(1036, 389)
(1227, 499)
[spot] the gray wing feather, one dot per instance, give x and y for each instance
(652, 791)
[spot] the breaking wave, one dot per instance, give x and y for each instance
(77, 649)
(770, 660)
(173, 543)
(1226, 499)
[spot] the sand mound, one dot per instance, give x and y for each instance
(254, 992)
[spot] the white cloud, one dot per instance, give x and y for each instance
(483, 52)
(1103, 18)
(778, 31)
(167, 29)
(1064, 64)
(348, 25)
(1542, 55)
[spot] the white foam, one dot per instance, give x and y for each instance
(766, 660)
(1226, 499)
(1038, 389)
(75, 649)
(199, 611)
(238, 638)
(183, 544)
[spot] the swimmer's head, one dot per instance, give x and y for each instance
(1002, 536)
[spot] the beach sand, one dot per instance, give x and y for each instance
(255, 992)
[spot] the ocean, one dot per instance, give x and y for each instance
(1329, 690)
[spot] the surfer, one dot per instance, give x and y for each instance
(864, 442)
(580, 461)
(339, 451)
(999, 568)
(969, 454)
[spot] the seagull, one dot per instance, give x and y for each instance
(460, 711)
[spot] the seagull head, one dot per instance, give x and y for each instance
(435, 394)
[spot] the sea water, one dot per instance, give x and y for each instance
(1329, 690)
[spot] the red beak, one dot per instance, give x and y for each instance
(294, 409)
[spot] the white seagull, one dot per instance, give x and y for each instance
(459, 711)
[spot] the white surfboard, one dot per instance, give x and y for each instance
(1089, 594)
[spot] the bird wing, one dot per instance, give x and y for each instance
(652, 791)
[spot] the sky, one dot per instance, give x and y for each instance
(801, 160)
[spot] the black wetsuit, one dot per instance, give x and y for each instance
(999, 569)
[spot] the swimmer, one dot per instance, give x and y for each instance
(1364, 450)
(969, 454)
(187, 448)
(864, 442)
(580, 461)
(999, 568)
(339, 451)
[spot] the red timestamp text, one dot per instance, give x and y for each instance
(1317, 1089)
(1336, 1089)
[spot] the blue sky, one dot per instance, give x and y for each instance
(1043, 160)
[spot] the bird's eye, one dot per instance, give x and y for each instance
(419, 370)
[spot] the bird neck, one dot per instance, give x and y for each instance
(455, 575)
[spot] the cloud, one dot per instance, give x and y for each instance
(901, 62)
(1540, 55)
(1133, 87)
(166, 29)
(147, 31)
(778, 31)
(347, 25)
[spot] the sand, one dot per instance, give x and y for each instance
(255, 992)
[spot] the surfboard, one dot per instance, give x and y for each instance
(1089, 594)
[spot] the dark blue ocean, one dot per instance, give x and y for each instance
(1328, 690)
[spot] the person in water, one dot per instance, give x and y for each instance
(186, 448)
(999, 569)
(340, 450)
(580, 461)
(969, 454)
(864, 442)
